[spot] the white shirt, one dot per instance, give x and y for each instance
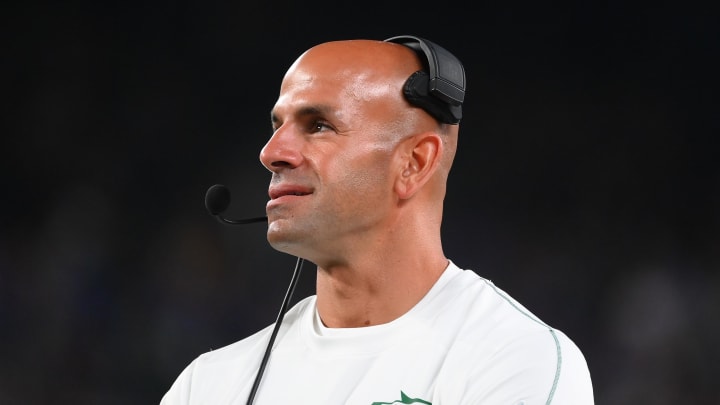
(465, 342)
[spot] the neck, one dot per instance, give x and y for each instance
(381, 284)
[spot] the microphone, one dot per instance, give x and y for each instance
(217, 200)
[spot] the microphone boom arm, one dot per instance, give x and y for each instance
(240, 221)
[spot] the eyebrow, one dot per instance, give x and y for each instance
(308, 110)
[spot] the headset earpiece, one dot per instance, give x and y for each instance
(441, 89)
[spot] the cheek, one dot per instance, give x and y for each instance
(362, 176)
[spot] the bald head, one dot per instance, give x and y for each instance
(370, 76)
(386, 60)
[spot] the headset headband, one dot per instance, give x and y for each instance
(441, 90)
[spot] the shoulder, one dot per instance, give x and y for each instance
(215, 374)
(501, 343)
(482, 307)
(487, 309)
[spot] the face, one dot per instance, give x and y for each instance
(334, 154)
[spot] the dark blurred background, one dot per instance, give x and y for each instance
(587, 183)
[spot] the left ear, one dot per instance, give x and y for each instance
(420, 159)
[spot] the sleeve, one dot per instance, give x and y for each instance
(574, 385)
(539, 368)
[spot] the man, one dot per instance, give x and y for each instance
(360, 156)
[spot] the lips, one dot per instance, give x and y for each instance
(276, 192)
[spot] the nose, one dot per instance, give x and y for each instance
(282, 150)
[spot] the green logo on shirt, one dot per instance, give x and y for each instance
(404, 399)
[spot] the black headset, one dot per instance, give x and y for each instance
(441, 89)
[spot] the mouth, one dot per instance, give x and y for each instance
(278, 192)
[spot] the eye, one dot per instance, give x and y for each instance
(320, 126)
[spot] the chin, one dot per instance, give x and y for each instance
(283, 241)
(292, 237)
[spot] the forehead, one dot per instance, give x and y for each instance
(332, 90)
(348, 74)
